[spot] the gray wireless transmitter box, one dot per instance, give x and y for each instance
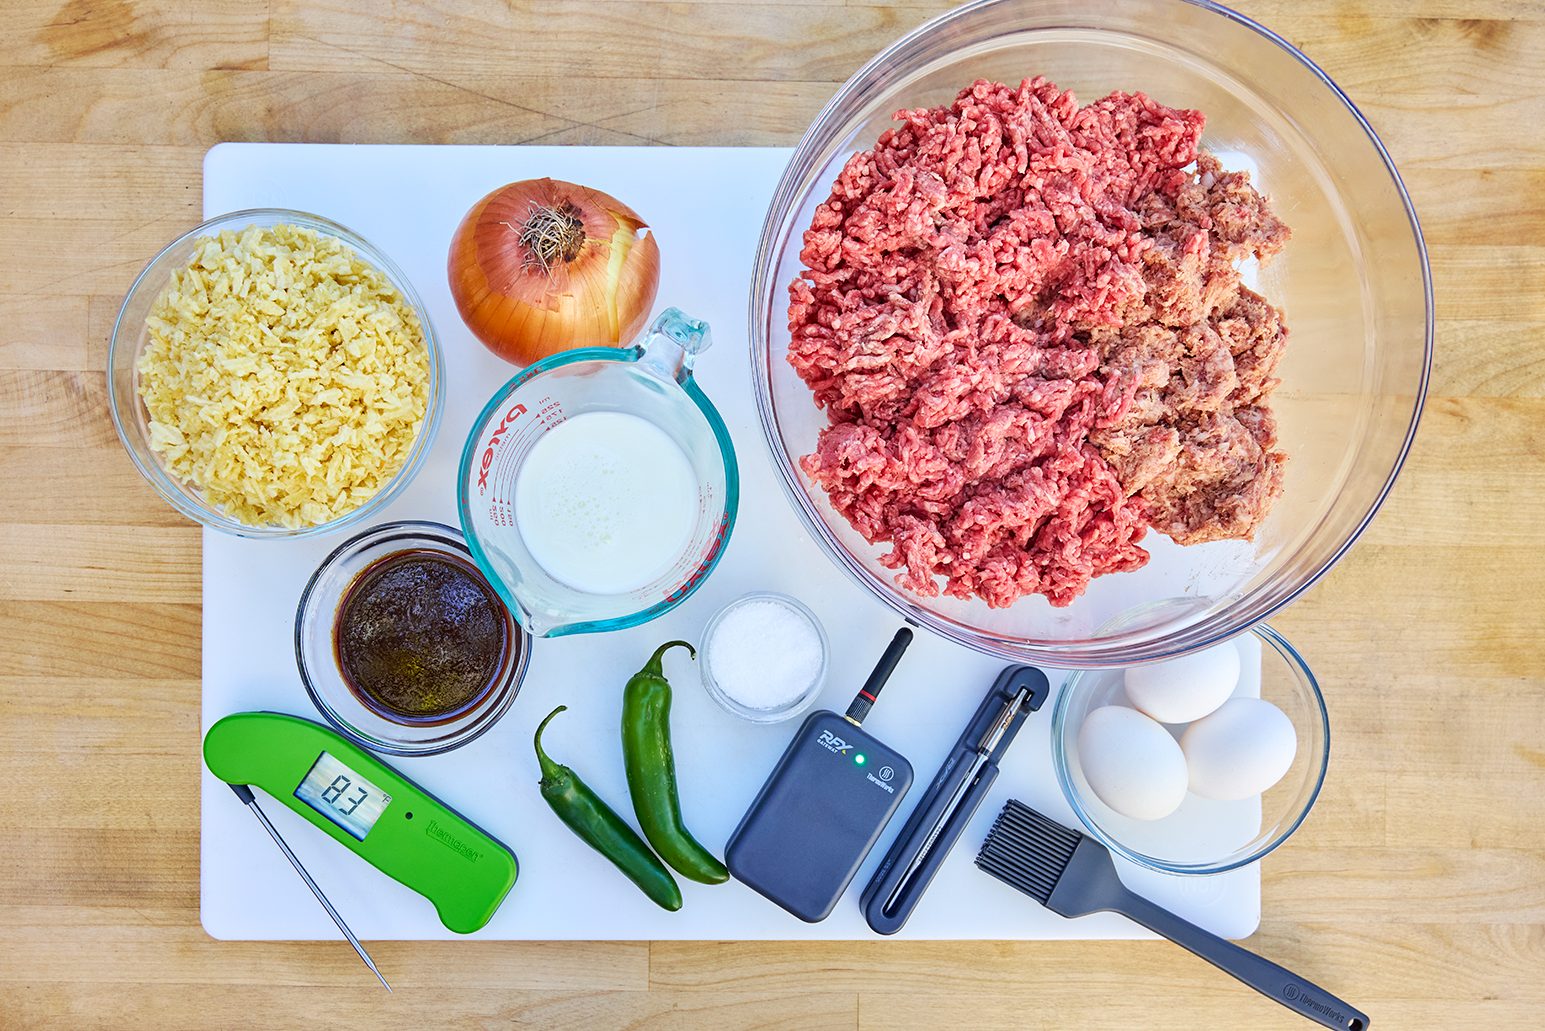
(820, 812)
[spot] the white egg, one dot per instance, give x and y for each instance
(1132, 763)
(1187, 688)
(1240, 750)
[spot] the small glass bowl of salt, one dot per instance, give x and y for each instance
(764, 657)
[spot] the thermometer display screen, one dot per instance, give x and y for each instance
(342, 795)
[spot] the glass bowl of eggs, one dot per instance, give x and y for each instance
(1197, 765)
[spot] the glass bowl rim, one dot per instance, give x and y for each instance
(506, 690)
(1306, 679)
(1215, 628)
(162, 482)
(745, 712)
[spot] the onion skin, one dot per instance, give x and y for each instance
(524, 313)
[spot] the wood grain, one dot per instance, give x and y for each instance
(175, 107)
(43, 332)
(116, 33)
(459, 39)
(1418, 887)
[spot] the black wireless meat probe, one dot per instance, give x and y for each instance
(824, 805)
(952, 799)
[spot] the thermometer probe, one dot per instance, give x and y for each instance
(952, 799)
(368, 808)
(250, 801)
(983, 750)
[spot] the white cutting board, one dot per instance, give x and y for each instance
(706, 206)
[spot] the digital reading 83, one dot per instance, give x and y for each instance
(343, 796)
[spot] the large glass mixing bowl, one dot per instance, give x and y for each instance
(1353, 282)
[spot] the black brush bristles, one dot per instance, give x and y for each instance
(1027, 851)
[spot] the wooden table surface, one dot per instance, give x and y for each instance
(1417, 890)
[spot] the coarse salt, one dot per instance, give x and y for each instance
(764, 654)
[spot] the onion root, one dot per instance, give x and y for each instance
(552, 235)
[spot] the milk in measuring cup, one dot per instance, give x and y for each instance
(606, 502)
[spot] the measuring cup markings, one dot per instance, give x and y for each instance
(510, 418)
(510, 453)
(715, 545)
(501, 505)
(510, 441)
(500, 498)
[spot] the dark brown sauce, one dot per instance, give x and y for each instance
(421, 637)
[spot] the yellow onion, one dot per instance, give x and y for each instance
(542, 266)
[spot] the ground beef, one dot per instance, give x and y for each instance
(1025, 321)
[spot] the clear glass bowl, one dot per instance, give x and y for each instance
(1204, 836)
(1353, 281)
(130, 335)
(317, 659)
(777, 714)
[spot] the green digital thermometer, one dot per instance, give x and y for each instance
(370, 809)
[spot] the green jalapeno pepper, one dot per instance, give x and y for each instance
(651, 767)
(601, 828)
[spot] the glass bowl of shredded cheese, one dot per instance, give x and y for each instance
(272, 374)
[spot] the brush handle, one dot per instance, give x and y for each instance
(1263, 975)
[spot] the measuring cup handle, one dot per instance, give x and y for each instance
(674, 341)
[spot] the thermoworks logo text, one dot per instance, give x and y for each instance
(1295, 993)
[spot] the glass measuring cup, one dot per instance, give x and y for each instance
(651, 380)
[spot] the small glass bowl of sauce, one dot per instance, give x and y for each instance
(402, 643)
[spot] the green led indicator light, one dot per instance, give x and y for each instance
(859, 758)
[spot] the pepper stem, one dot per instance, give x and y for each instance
(550, 769)
(655, 666)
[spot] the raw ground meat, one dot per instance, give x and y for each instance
(1025, 321)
